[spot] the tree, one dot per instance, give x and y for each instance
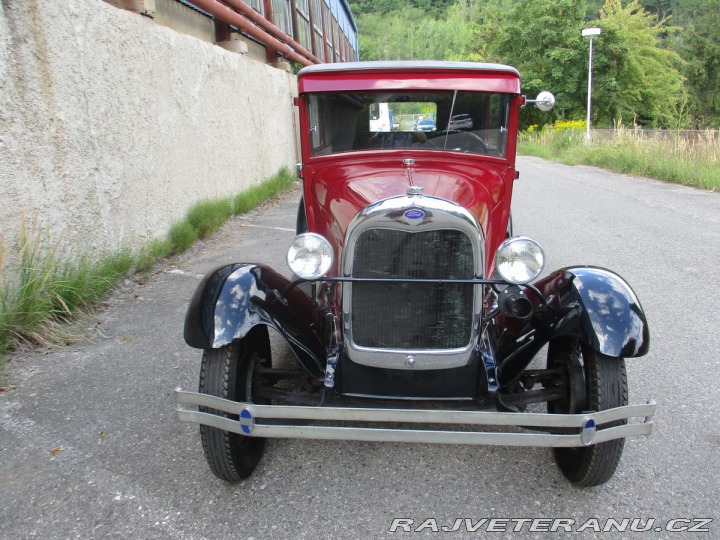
(433, 8)
(700, 47)
(636, 79)
(636, 76)
(409, 34)
(542, 39)
(660, 9)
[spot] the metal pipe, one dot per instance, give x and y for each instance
(269, 15)
(270, 28)
(229, 16)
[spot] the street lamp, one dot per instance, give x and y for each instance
(591, 33)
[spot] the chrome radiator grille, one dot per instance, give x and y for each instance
(412, 315)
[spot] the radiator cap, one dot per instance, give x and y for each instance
(415, 190)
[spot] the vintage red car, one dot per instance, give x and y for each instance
(411, 303)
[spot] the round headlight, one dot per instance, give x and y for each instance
(519, 260)
(310, 256)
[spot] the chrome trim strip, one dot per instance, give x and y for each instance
(249, 412)
(439, 214)
(444, 437)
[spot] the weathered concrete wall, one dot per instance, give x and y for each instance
(112, 126)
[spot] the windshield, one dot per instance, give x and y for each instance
(468, 122)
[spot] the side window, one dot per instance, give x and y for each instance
(315, 135)
(499, 119)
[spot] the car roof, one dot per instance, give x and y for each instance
(408, 65)
(409, 75)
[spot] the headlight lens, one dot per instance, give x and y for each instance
(310, 256)
(519, 260)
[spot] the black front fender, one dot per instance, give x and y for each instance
(612, 321)
(593, 304)
(233, 299)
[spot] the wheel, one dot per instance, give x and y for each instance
(595, 382)
(301, 225)
(228, 373)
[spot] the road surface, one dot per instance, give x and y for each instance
(89, 446)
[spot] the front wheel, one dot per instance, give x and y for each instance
(229, 373)
(595, 382)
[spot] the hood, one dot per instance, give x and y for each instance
(340, 188)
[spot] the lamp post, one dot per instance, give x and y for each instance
(591, 33)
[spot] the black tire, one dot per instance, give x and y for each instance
(301, 225)
(605, 387)
(509, 231)
(228, 373)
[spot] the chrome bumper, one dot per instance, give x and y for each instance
(589, 425)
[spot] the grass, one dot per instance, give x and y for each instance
(50, 290)
(677, 159)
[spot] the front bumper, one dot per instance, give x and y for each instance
(589, 426)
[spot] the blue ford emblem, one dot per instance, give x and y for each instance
(414, 213)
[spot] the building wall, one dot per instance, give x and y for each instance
(112, 126)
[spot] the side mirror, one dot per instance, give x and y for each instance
(545, 101)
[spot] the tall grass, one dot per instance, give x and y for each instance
(675, 158)
(250, 198)
(207, 216)
(51, 289)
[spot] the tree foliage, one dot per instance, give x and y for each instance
(637, 79)
(645, 49)
(543, 43)
(700, 47)
(409, 34)
(432, 8)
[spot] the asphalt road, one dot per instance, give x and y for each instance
(89, 446)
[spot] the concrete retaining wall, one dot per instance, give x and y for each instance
(112, 126)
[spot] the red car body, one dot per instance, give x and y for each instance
(411, 302)
(338, 186)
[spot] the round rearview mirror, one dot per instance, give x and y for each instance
(545, 101)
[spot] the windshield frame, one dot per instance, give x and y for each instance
(327, 115)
